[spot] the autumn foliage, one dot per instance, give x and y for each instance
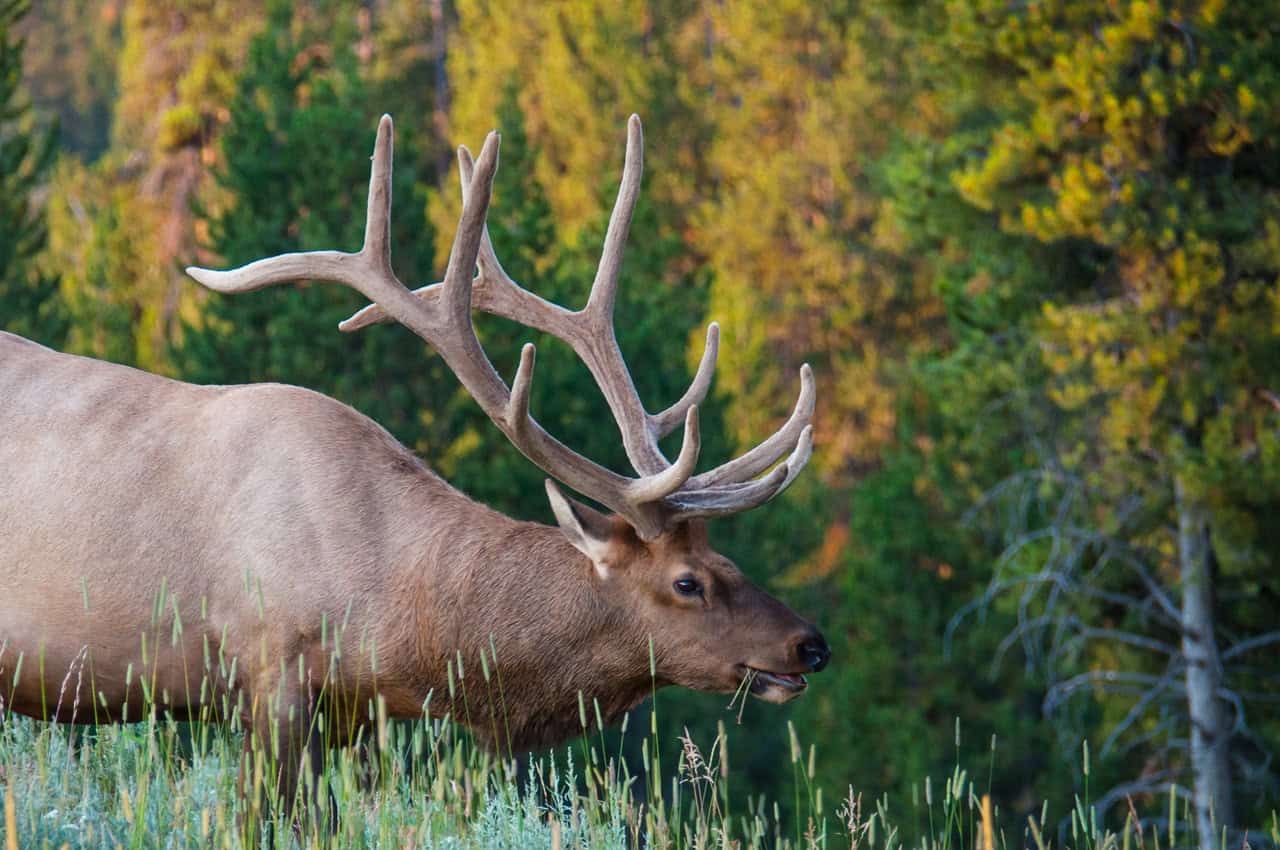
(1030, 249)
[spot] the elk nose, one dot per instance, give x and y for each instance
(814, 652)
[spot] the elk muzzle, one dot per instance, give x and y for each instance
(808, 653)
(813, 652)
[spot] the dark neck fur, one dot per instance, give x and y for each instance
(483, 582)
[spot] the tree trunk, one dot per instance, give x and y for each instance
(1210, 736)
(440, 103)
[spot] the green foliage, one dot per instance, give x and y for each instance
(295, 173)
(1031, 251)
(898, 576)
(806, 261)
(1100, 207)
(583, 66)
(26, 152)
(100, 248)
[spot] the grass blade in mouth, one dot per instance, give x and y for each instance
(744, 688)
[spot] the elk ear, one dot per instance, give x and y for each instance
(586, 528)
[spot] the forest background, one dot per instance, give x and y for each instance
(1031, 251)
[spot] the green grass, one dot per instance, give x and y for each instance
(163, 784)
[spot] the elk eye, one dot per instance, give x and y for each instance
(688, 587)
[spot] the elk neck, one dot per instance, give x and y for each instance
(478, 582)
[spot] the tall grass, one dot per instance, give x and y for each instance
(158, 782)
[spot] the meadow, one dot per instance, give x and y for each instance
(158, 782)
(1030, 251)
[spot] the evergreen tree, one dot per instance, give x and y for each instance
(26, 152)
(295, 176)
(1108, 241)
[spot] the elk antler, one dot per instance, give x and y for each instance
(664, 492)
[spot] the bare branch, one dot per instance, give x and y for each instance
(1251, 644)
(1137, 710)
(1110, 681)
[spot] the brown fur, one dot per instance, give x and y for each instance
(264, 510)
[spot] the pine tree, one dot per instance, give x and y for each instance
(27, 304)
(295, 176)
(1108, 238)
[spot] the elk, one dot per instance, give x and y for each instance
(259, 518)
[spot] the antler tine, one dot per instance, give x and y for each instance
(666, 421)
(595, 341)
(736, 498)
(767, 453)
(377, 218)
(655, 487)
(369, 267)
(521, 384)
(456, 286)
(604, 288)
(488, 258)
(492, 292)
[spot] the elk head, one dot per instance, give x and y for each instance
(649, 560)
(712, 629)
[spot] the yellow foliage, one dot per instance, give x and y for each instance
(582, 68)
(1210, 11)
(1246, 99)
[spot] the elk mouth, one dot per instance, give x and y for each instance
(775, 687)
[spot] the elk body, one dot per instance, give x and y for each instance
(148, 526)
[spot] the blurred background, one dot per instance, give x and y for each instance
(1030, 249)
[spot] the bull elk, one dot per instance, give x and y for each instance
(261, 517)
